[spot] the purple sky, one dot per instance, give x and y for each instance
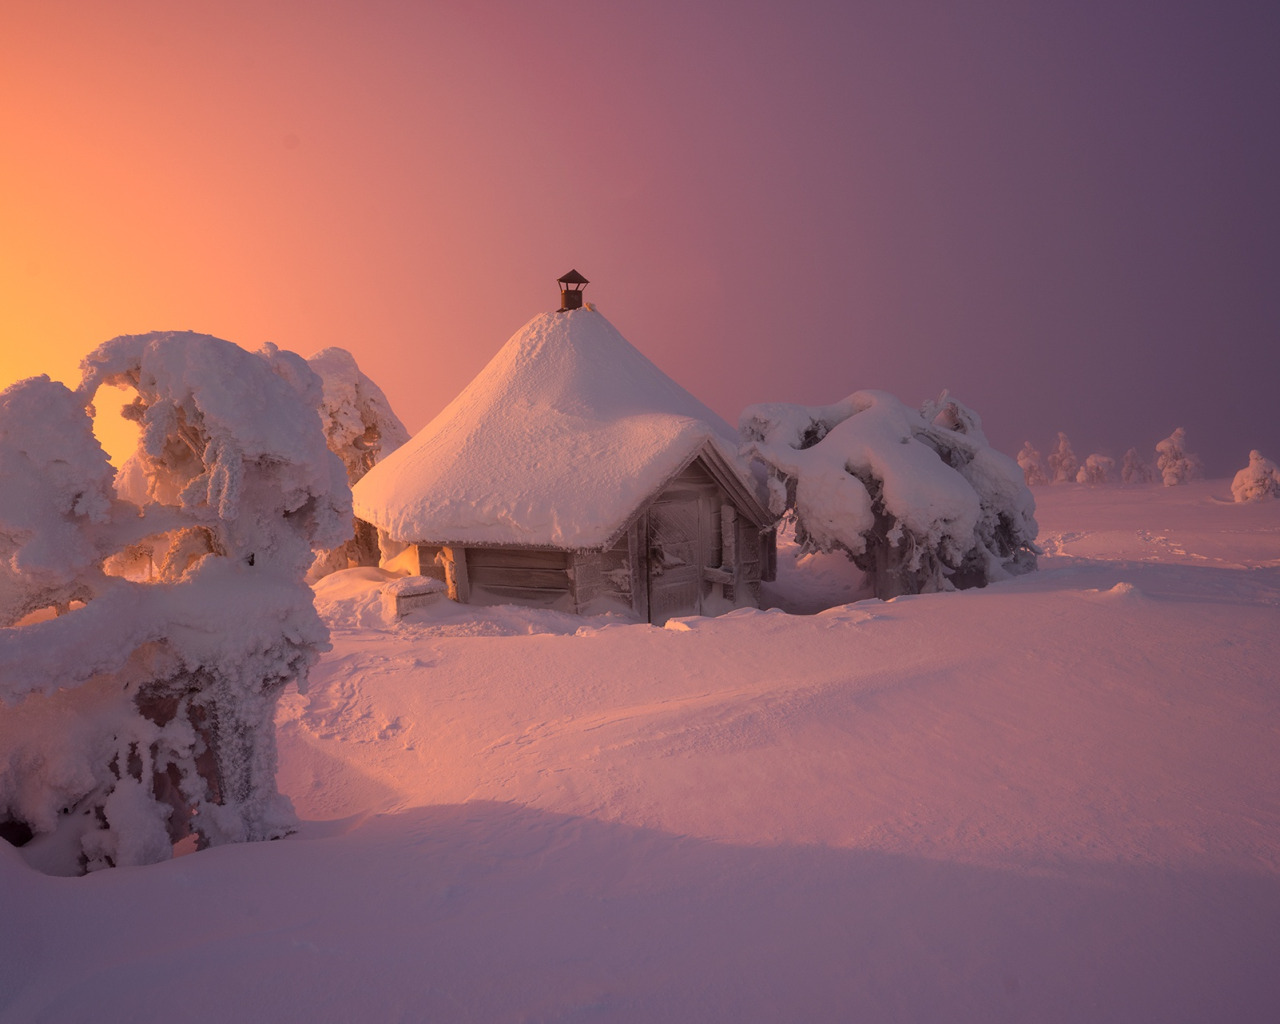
(1067, 214)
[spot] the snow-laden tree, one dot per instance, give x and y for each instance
(359, 423)
(147, 713)
(1031, 465)
(1096, 469)
(361, 429)
(57, 494)
(1063, 464)
(918, 499)
(1135, 469)
(1257, 481)
(1173, 462)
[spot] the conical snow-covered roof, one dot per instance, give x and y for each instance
(556, 443)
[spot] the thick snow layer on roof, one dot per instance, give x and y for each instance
(556, 442)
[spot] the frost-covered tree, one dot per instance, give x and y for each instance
(918, 499)
(1063, 464)
(361, 429)
(1096, 469)
(1173, 462)
(1258, 481)
(57, 494)
(1135, 469)
(359, 423)
(1031, 465)
(147, 713)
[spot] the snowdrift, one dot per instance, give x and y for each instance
(1055, 799)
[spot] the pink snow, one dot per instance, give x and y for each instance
(556, 442)
(1054, 799)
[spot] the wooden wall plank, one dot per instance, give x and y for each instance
(427, 564)
(517, 576)
(561, 600)
(527, 558)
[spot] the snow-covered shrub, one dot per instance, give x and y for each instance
(361, 430)
(1176, 466)
(1096, 469)
(1063, 464)
(1032, 467)
(1135, 469)
(147, 714)
(1257, 481)
(917, 499)
(55, 500)
(359, 424)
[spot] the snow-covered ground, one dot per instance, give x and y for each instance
(1057, 799)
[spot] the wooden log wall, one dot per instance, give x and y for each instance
(604, 580)
(520, 575)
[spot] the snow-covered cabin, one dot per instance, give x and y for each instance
(572, 473)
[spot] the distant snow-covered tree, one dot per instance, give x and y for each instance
(1096, 469)
(1135, 469)
(1175, 465)
(1063, 464)
(361, 429)
(918, 499)
(1032, 466)
(1257, 481)
(148, 713)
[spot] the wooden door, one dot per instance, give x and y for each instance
(680, 539)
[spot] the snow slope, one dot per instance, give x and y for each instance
(1056, 799)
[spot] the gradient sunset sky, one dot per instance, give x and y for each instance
(1066, 213)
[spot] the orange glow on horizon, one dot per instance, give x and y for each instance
(787, 206)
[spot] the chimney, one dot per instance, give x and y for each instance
(571, 290)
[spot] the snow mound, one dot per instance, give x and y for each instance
(364, 599)
(353, 598)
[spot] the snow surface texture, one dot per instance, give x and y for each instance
(556, 442)
(147, 712)
(917, 498)
(1055, 800)
(1257, 481)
